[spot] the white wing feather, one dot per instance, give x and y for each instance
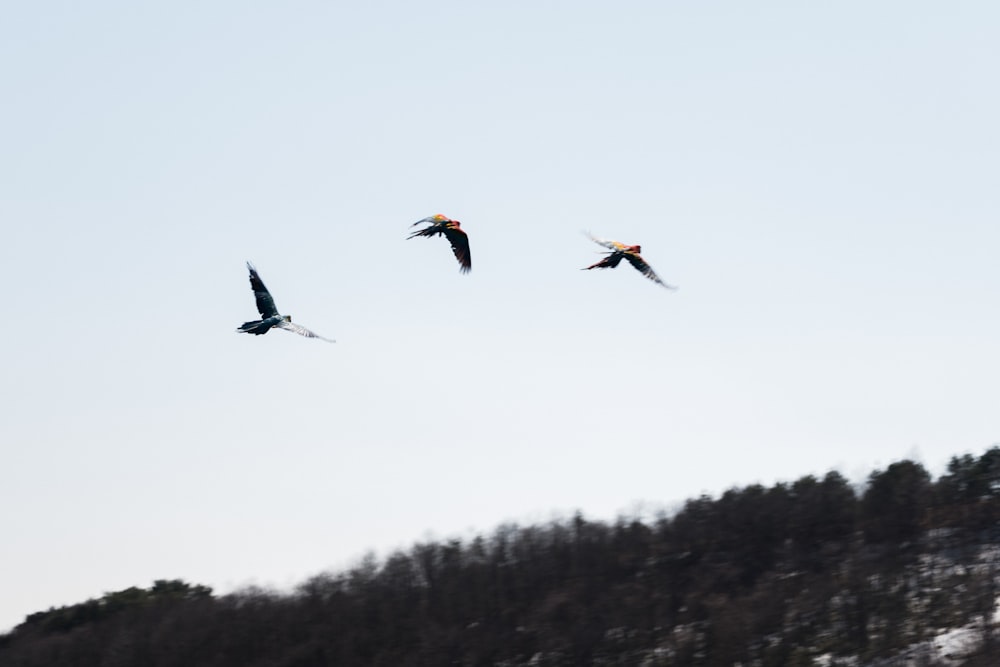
(610, 245)
(301, 330)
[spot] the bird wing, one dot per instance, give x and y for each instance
(301, 330)
(436, 219)
(645, 269)
(265, 304)
(610, 245)
(460, 246)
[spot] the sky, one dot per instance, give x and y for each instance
(818, 179)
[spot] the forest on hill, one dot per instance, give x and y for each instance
(810, 572)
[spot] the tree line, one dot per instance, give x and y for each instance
(765, 575)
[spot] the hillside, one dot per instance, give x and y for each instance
(812, 572)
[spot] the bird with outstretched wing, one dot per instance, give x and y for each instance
(451, 230)
(269, 313)
(620, 251)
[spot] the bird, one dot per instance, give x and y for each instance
(268, 311)
(620, 251)
(452, 230)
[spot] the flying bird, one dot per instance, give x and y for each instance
(452, 230)
(620, 251)
(268, 311)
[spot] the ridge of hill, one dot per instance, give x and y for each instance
(902, 572)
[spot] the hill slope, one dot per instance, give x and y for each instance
(806, 573)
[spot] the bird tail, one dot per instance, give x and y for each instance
(426, 231)
(255, 327)
(609, 262)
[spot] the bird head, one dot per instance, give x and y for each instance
(444, 221)
(287, 318)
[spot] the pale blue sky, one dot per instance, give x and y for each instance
(820, 179)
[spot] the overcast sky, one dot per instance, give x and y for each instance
(819, 179)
